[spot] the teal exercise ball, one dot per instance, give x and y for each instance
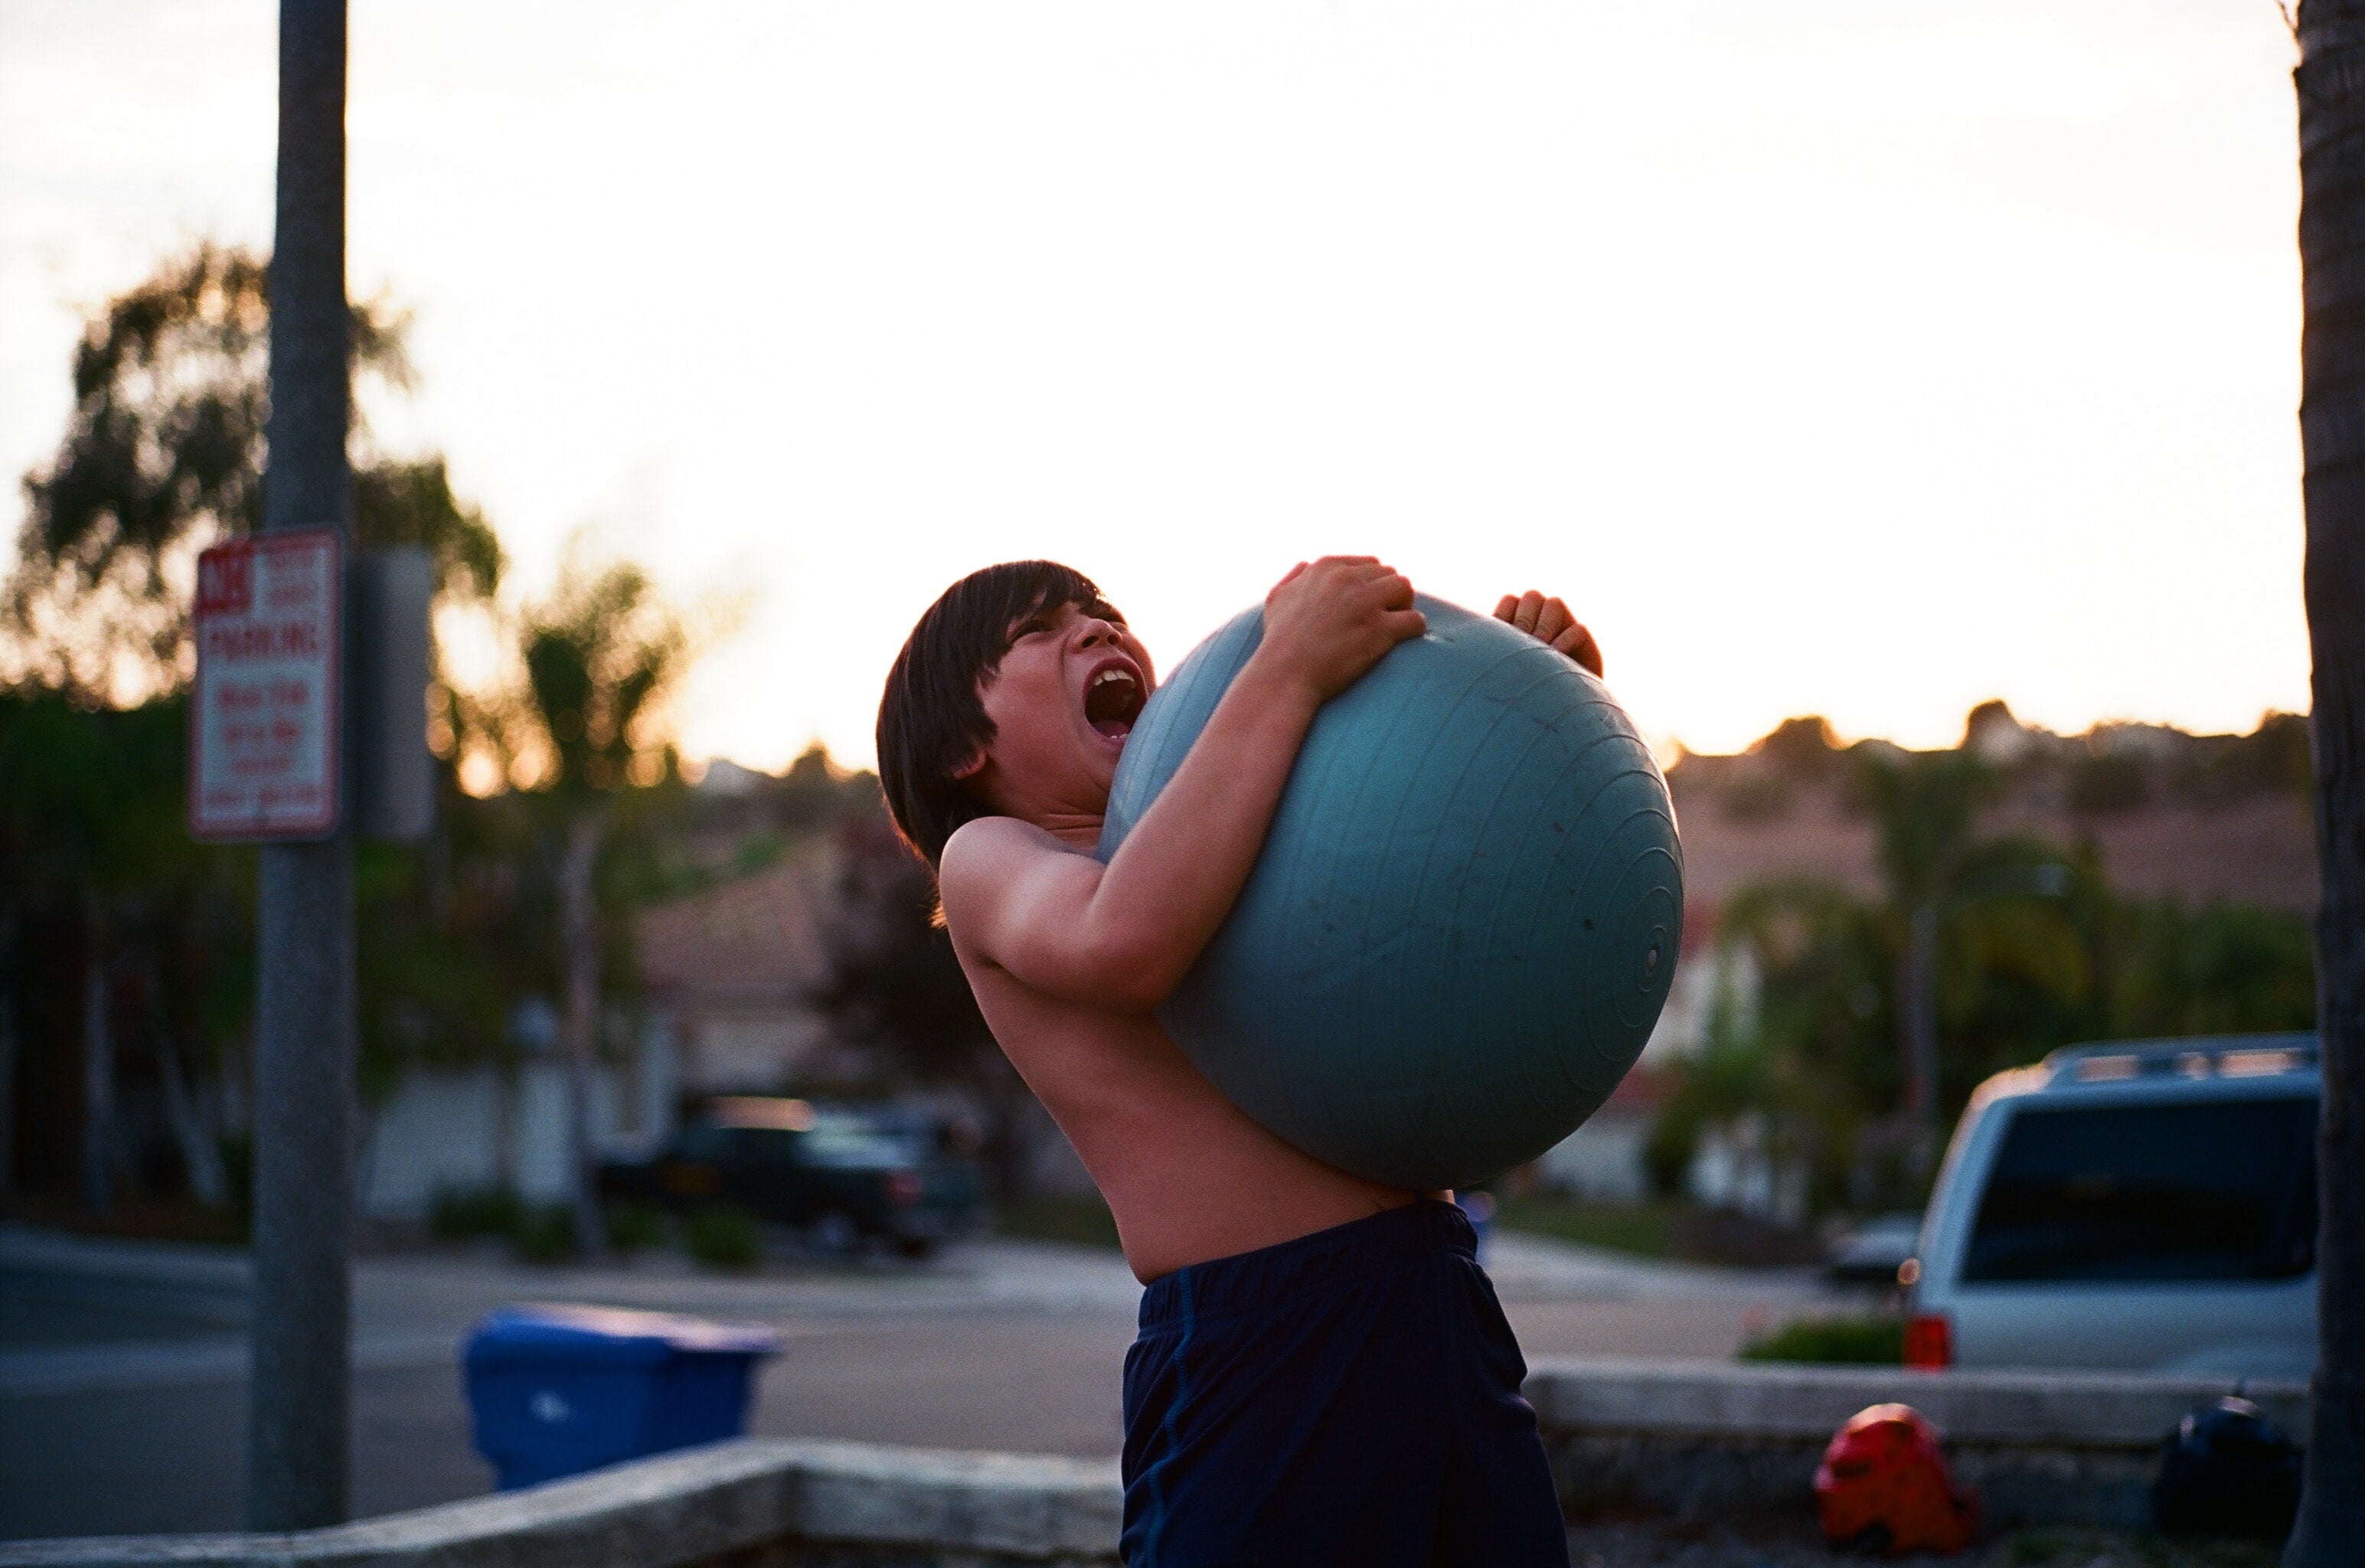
(1465, 917)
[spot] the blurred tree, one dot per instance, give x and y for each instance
(162, 455)
(1804, 748)
(2031, 952)
(2227, 968)
(1810, 1058)
(92, 822)
(601, 654)
(2106, 783)
(1924, 805)
(2330, 81)
(895, 984)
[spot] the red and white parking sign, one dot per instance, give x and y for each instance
(263, 721)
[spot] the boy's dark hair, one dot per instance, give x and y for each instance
(930, 720)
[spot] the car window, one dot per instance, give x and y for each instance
(766, 1146)
(2191, 1192)
(855, 1149)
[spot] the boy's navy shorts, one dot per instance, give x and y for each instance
(1348, 1397)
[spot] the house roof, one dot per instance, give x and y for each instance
(755, 939)
(1640, 1092)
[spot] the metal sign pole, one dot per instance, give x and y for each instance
(300, 1392)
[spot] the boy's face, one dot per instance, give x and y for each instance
(1062, 703)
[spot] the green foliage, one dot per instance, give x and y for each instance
(544, 1233)
(237, 1152)
(164, 454)
(458, 1213)
(2105, 783)
(1801, 749)
(2276, 758)
(2035, 952)
(1643, 1229)
(2227, 968)
(723, 1236)
(1819, 1060)
(1081, 1221)
(1925, 804)
(599, 655)
(1869, 1340)
(94, 837)
(634, 1227)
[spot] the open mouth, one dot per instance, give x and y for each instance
(1113, 700)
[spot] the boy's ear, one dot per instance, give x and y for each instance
(970, 766)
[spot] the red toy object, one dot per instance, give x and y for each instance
(1883, 1486)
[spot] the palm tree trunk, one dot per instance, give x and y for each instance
(2331, 87)
(97, 1068)
(7, 1092)
(1917, 1017)
(199, 1151)
(579, 937)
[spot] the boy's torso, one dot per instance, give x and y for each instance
(1188, 1176)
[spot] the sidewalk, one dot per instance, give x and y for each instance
(163, 1313)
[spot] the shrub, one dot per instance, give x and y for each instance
(1083, 1221)
(238, 1172)
(459, 1212)
(722, 1237)
(545, 1234)
(1868, 1341)
(631, 1226)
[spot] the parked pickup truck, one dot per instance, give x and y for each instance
(2148, 1204)
(842, 1175)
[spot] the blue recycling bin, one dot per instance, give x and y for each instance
(559, 1390)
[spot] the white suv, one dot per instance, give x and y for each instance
(2147, 1205)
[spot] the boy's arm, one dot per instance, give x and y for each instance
(1122, 934)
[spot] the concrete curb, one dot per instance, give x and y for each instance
(1687, 1439)
(1763, 1399)
(875, 1505)
(1706, 1438)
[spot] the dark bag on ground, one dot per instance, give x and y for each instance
(2227, 1470)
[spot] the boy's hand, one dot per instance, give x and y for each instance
(1548, 620)
(1328, 622)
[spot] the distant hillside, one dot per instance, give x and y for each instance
(2197, 819)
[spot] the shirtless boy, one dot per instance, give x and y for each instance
(1323, 1375)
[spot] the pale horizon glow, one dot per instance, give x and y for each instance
(1851, 358)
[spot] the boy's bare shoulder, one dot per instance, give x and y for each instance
(985, 852)
(991, 838)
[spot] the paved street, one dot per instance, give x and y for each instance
(122, 1368)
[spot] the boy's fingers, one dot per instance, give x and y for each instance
(1531, 605)
(1553, 619)
(1577, 643)
(1403, 625)
(1508, 607)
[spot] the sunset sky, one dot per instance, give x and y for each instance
(1862, 358)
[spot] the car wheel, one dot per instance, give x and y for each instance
(836, 1235)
